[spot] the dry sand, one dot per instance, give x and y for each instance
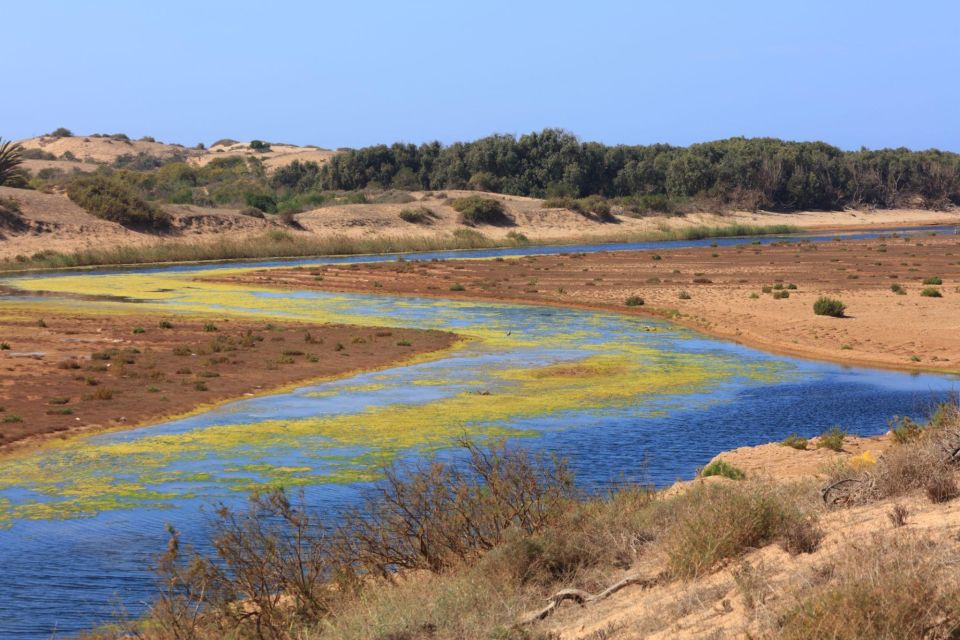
(725, 289)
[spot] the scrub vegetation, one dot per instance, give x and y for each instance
(472, 549)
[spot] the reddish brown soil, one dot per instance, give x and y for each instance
(96, 372)
(716, 290)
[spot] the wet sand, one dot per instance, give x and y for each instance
(727, 292)
(68, 374)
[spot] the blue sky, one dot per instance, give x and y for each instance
(352, 73)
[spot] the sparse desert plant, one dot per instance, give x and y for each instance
(714, 522)
(832, 307)
(795, 442)
(892, 587)
(898, 289)
(933, 280)
(898, 515)
(801, 536)
(633, 301)
(931, 292)
(457, 287)
(61, 132)
(725, 469)
(684, 295)
(780, 295)
(832, 439)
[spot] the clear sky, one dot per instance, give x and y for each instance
(351, 73)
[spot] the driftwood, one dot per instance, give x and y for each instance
(858, 488)
(583, 598)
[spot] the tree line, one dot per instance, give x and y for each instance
(756, 172)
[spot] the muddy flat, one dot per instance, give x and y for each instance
(67, 374)
(757, 295)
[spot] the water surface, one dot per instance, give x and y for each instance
(619, 396)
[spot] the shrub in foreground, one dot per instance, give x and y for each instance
(832, 307)
(832, 439)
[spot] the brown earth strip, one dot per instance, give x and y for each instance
(728, 292)
(70, 374)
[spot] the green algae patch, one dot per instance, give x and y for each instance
(581, 365)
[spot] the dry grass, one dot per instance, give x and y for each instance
(891, 588)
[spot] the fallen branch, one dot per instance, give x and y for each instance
(583, 598)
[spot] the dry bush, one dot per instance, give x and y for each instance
(436, 515)
(890, 589)
(711, 523)
(802, 536)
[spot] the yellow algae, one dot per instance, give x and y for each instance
(582, 366)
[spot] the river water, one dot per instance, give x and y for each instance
(621, 397)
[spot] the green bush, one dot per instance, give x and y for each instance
(260, 145)
(898, 289)
(476, 210)
(633, 301)
(933, 280)
(930, 292)
(721, 468)
(262, 201)
(109, 198)
(420, 215)
(832, 307)
(61, 132)
(832, 439)
(795, 442)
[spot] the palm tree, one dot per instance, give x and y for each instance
(11, 157)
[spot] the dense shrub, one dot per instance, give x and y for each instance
(725, 469)
(10, 216)
(933, 280)
(109, 198)
(825, 306)
(795, 442)
(262, 201)
(420, 215)
(476, 210)
(931, 292)
(633, 301)
(61, 132)
(260, 145)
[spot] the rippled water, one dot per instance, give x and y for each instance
(617, 395)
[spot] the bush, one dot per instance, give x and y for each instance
(108, 198)
(633, 301)
(891, 587)
(420, 215)
(260, 145)
(721, 468)
(61, 132)
(930, 292)
(832, 439)
(933, 280)
(714, 522)
(10, 215)
(832, 307)
(802, 536)
(795, 442)
(898, 289)
(224, 142)
(476, 210)
(262, 201)
(252, 212)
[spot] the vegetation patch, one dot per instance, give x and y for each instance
(110, 199)
(476, 210)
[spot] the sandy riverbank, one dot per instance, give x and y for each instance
(727, 292)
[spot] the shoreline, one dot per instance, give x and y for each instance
(31, 379)
(884, 331)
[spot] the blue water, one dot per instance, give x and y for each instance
(71, 570)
